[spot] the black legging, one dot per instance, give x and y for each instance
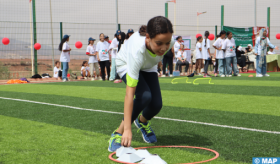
(217, 65)
(104, 64)
(167, 60)
(147, 96)
(207, 62)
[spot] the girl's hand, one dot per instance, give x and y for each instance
(276, 48)
(220, 48)
(126, 138)
(70, 49)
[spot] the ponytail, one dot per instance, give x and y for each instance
(206, 34)
(61, 44)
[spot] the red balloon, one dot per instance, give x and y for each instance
(5, 41)
(278, 36)
(198, 35)
(37, 46)
(79, 44)
(211, 37)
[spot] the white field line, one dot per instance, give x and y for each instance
(161, 118)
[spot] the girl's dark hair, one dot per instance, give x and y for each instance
(206, 34)
(178, 37)
(228, 33)
(121, 41)
(56, 62)
(222, 33)
(61, 44)
(84, 62)
(116, 35)
(198, 38)
(155, 26)
(100, 35)
(143, 30)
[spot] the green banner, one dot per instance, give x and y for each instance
(242, 36)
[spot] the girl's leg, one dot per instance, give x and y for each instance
(216, 66)
(64, 71)
(196, 64)
(228, 66)
(170, 64)
(221, 66)
(264, 66)
(102, 66)
(164, 62)
(187, 67)
(107, 64)
(206, 66)
(96, 67)
(235, 67)
(113, 70)
(91, 68)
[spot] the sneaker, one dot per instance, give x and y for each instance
(171, 76)
(64, 80)
(92, 79)
(85, 78)
(259, 75)
(147, 132)
(229, 75)
(216, 75)
(237, 75)
(99, 78)
(114, 142)
(199, 74)
(163, 76)
(111, 80)
(222, 76)
(206, 75)
(181, 74)
(267, 75)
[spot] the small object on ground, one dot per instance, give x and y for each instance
(251, 76)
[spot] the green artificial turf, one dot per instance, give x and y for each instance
(38, 133)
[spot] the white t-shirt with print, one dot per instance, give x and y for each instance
(134, 56)
(55, 72)
(205, 53)
(219, 53)
(91, 49)
(114, 46)
(198, 52)
(229, 46)
(103, 49)
(65, 56)
(85, 68)
(176, 47)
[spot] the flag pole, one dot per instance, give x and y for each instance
(31, 37)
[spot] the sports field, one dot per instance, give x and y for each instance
(72, 122)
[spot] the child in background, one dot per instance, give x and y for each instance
(85, 70)
(93, 59)
(102, 48)
(183, 59)
(206, 53)
(199, 60)
(65, 56)
(220, 55)
(57, 73)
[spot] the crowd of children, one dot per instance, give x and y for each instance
(228, 57)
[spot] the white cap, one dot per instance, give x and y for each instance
(239, 48)
(250, 45)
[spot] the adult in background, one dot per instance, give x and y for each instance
(241, 58)
(250, 52)
(176, 48)
(65, 56)
(260, 51)
(183, 59)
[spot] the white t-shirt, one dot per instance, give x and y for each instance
(114, 46)
(103, 49)
(65, 56)
(198, 52)
(91, 49)
(176, 47)
(186, 56)
(219, 53)
(229, 46)
(86, 69)
(270, 53)
(55, 72)
(134, 56)
(205, 53)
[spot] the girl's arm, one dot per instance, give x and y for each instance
(128, 107)
(66, 50)
(271, 45)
